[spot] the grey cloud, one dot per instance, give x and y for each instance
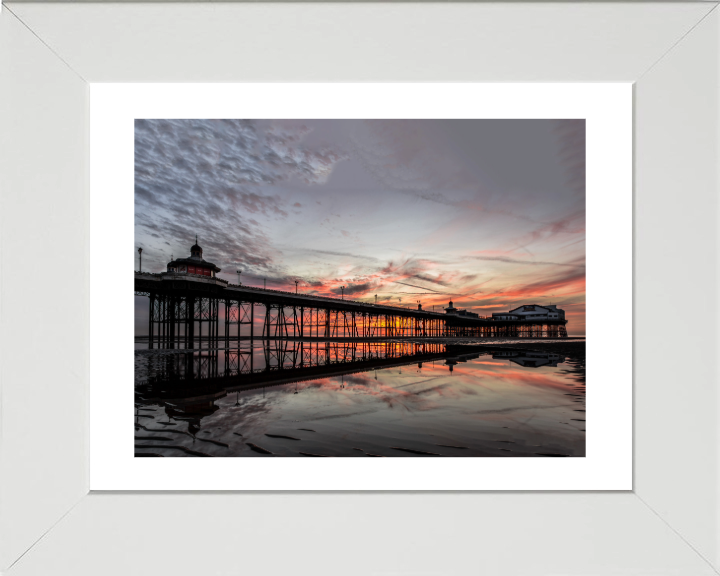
(348, 254)
(426, 278)
(493, 167)
(356, 288)
(404, 157)
(421, 287)
(202, 176)
(528, 262)
(572, 149)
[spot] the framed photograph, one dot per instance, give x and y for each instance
(402, 244)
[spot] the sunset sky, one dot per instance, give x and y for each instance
(487, 213)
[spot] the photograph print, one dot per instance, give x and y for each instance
(354, 288)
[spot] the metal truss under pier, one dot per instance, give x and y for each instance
(186, 311)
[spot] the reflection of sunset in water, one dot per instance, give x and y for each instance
(450, 404)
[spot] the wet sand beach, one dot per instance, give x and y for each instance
(482, 400)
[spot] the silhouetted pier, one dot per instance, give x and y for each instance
(188, 308)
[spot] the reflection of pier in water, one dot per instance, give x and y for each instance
(198, 378)
(285, 360)
(530, 358)
(188, 383)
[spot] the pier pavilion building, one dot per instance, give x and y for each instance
(195, 264)
(459, 312)
(531, 312)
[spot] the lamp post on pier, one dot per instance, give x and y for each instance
(140, 252)
(342, 290)
(296, 283)
(238, 273)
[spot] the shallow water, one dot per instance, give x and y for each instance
(382, 399)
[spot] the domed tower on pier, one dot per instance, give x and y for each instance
(195, 264)
(451, 309)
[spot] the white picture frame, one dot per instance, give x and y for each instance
(49, 523)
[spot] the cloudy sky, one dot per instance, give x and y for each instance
(488, 213)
